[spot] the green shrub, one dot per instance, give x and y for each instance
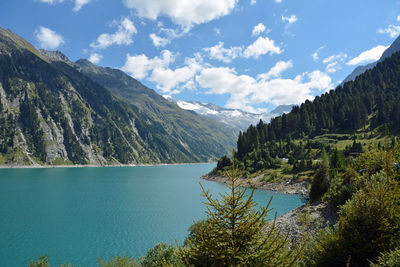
(118, 262)
(368, 225)
(320, 182)
(388, 259)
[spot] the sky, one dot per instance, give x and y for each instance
(243, 54)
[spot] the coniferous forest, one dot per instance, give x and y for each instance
(361, 109)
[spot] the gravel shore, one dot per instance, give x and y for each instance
(258, 183)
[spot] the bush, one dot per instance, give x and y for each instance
(118, 262)
(161, 255)
(368, 225)
(388, 259)
(319, 184)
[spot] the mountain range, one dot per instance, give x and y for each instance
(54, 111)
(237, 119)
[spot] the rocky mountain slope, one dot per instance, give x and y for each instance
(51, 113)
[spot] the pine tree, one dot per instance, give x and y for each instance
(233, 233)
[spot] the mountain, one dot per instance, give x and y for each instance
(52, 113)
(393, 48)
(238, 120)
(358, 113)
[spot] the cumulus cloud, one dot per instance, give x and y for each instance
(95, 58)
(168, 79)
(258, 29)
(333, 62)
(159, 41)
(79, 4)
(168, 35)
(246, 91)
(47, 38)
(297, 90)
(123, 36)
(368, 56)
(223, 54)
(392, 30)
(276, 70)
(140, 65)
(182, 12)
(262, 46)
(253, 2)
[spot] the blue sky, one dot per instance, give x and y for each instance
(247, 54)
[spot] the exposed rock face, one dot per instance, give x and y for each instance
(51, 113)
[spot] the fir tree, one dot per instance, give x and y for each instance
(233, 233)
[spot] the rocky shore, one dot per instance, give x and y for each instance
(301, 222)
(306, 220)
(257, 182)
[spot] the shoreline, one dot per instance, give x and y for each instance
(10, 166)
(257, 183)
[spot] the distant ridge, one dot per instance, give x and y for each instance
(239, 120)
(393, 48)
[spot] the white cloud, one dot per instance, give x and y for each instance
(95, 58)
(169, 35)
(223, 54)
(294, 91)
(140, 65)
(333, 62)
(290, 19)
(47, 38)
(183, 12)
(51, 1)
(123, 36)
(246, 91)
(258, 29)
(315, 55)
(276, 70)
(398, 18)
(278, 1)
(159, 41)
(368, 56)
(79, 4)
(392, 30)
(262, 46)
(168, 79)
(253, 2)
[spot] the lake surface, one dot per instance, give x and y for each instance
(75, 215)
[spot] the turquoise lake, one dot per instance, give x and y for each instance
(75, 215)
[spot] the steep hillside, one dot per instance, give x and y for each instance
(352, 116)
(50, 113)
(200, 135)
